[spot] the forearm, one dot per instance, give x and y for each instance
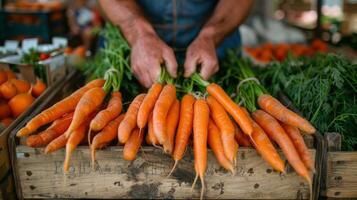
(227, 16)
(129, 17)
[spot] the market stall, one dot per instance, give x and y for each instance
(274, 118)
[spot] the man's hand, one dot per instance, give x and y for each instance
(202, 51)
(147, 54)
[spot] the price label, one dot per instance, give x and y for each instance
(59, 42)
(11, 45)
(30, 43)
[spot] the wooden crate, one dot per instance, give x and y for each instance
(41, 176)
(340, 173)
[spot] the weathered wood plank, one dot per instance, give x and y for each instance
(341, 180)
(42, 176)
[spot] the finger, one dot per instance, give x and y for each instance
(208, 68)
(142, 76)
(154, 70)
(190, 64)
(170, 61)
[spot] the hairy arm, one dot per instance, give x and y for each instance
(227, 16)
(148, 50)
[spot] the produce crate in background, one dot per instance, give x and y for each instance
(56, 73)
(38, 175)
(20, 24)
(340, 170)
(55, 68)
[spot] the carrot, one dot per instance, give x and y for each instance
(300, 145)
(38, 88)
(184, 128)
(21, 85)
(105, 136)
(226, 127)
(162, 107)
(277, 133)
(148, 104)
(233, 109)
(8, 90)
(90, 101)
(215, 143)
(133, 144)
(60, 108)
(171, 125)
(151, 136)
(9, 74)
(111, 112)
(56, 144)
(3, 77)
(20, 103)
(57, 128)
(241, 138)
(272, 106)
(266, 149)
(5, 110)
(73, 141)
(129, 122)
(200, 132)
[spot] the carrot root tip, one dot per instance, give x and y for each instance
(173, 168)
(194, 182)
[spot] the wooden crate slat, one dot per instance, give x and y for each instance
(42, 176)
(341, 181)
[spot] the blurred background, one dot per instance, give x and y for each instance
(333, 22)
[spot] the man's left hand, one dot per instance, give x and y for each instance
(201, 51)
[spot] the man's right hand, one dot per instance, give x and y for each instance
(147, 54)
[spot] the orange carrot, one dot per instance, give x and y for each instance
(300, 145)
(73, 141)
(272, 106)
(215, 143)
(272, 127)
(129, 122)
(90, 101)
(57, 128)
(162, 107)
(242, 139)
(184, 128)
(148, 104)
(56, 144)
(151, 136)
(132, 146)
(171, 125)
(226, 127)
(108, 134)
(105, 116)
(6, 121)
(56, 111)
(200, 132)
(233, 109)
(266, 149)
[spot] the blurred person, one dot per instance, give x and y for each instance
(83, 18)
(199, 30)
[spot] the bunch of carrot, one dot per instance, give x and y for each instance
(16, 95)
(269, 52)
(275, 122)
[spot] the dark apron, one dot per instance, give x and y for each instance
(178, 23)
